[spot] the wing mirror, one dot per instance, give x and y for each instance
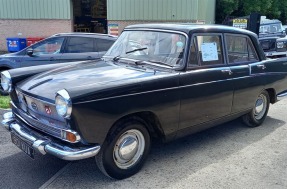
(30, 52)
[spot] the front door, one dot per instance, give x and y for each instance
(206, 87)
(48, 51)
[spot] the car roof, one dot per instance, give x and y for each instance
(268, 21)
(80, 34)
(189, 27)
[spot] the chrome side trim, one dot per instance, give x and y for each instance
(44, 145)
(282, 96)
(274, 53)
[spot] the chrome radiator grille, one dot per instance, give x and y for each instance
(41, 108)
(35, 114)
(268, 44)
(54, 131)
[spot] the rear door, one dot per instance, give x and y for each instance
(48, 51)
(79, 49)
(247, 71)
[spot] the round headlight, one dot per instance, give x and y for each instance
(280, 45)
(6, 81)
(63, 103)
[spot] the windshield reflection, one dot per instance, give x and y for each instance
(271, 28)
(152, 46)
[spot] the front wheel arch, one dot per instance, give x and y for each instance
(272, 95)
(125, 149)
(149, 119)
(3, 68)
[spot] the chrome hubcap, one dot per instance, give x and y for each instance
(129, 149)
(260, 106)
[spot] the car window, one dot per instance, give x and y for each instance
(79, 45)
(193, 54)
(157, 47)
(240, 49)
(210, 49)
(48, 46)
(103, 44)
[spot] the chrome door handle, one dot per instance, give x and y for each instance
(262, 66)
(227, 71)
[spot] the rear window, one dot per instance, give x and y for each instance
(79, 45)
(240, 49)
(103, 44)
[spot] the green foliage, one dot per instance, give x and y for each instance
(4, 102)
(239, 8)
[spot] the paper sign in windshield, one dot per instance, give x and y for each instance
(209, 52)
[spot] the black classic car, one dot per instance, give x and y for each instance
(272, 37)
(157, 81)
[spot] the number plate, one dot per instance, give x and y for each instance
(23, 145)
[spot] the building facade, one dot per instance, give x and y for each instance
(42, 18)
(33, 18)
(125, 12)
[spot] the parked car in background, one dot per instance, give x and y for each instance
(157, 81)
(272, 37)
(59, 48)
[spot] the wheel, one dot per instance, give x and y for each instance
(258, 114)
(125, 149)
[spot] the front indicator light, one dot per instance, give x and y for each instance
(70, 136)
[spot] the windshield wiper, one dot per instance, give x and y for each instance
(116, 58)
(151, 63)
(139, 49)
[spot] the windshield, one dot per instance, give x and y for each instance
(150, 46)
(271, 28)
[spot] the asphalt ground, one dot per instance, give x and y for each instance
(229, 156)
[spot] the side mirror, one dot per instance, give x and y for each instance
(30, 52)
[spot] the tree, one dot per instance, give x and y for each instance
(239, 8)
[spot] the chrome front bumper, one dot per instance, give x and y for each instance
(44, 145)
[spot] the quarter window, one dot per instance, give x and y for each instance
(193, 54)
(240, 49)
(80, 45)
(210, 50)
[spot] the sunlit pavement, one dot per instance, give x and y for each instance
(228, 156)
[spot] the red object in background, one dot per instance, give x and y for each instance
(32, 40)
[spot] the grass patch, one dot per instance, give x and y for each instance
(4, 102)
